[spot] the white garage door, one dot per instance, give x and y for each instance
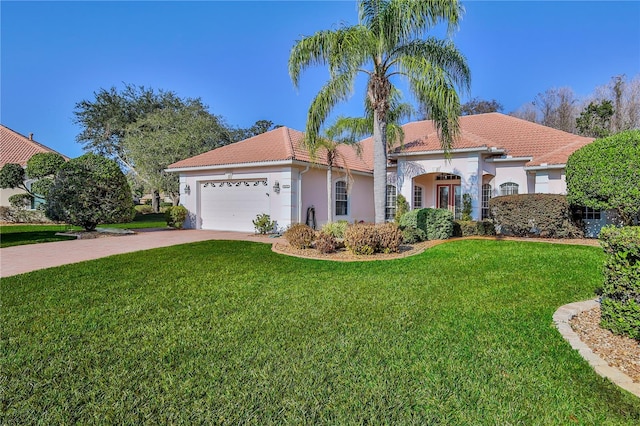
(232, 205)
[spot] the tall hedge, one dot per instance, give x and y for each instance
(90, 190)
(540, 215)
(605, 175)
(620, 303)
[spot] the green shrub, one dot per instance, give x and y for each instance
(144, 209)
(414, 219)
(620, 304)
(336, 229)
(540, 215)
(20, 201)
(402, 206)
(15, 215)
(300, 235)
(361, 238)
(467, 228)
(325, 242)
(389, 237)
(466, 207)
(439, 224)
(263, 224)
(604, 175)
(176, 216)
(90, 190)
(413, 235)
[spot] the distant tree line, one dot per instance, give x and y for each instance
(610, 109)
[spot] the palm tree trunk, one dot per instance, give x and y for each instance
(379, 167)
(329, 195)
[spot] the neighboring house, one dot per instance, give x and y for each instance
(271, 173)
(17, 148)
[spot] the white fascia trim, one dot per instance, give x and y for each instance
(545, 167)
(237, 166)
(508, 159)
(441, 151)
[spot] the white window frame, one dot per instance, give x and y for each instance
(341, 196)
(487, 193)
(418, 190)
(391, 200)
(509, 188)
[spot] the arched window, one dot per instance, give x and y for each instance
(390, 210)
(341, 198)
(417, 197)
(486, 196)
(509, 188)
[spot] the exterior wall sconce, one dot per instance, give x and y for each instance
(187, 189)
(276, 187)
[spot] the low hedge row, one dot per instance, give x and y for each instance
(620, 305)
(540, 215)
(468, 228)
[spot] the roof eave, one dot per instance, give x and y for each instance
(545, 167)
(442, 151)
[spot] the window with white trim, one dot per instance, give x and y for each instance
(390, 207)
(341, 198)
(509, 188)
(486, 196)
(591, 214)
(417, 197)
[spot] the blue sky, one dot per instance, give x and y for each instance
(234, 55)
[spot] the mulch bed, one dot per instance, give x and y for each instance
(620, 352)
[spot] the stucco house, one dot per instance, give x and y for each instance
(272, 173)
(17, 148)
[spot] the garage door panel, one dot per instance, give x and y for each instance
(233, 204)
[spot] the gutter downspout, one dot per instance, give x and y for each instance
(300, 193)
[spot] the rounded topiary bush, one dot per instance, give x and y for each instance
(90, 190)
(620, 305)
(176, 216)
(300, 235)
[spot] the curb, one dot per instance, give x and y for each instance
(561, 319)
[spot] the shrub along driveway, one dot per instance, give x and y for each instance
(228, 332)
(27, 258)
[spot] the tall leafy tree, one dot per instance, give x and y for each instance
(168, 135)
(595, 119)
(481, 106)
(387, 42)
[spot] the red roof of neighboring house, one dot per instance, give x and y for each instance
(519, 138)
(17, 148)
(279, 144)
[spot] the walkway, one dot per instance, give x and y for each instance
(26, 258)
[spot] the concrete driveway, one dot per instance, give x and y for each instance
(20, 259)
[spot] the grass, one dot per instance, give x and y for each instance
(15, 235)
(230, 332)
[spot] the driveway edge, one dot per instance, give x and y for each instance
(561, 319)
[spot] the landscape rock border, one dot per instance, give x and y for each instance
(561, 319)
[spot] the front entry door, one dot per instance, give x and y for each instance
(450, 197)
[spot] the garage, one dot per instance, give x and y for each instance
(232, 205)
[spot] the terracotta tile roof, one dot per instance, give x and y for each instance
(519, 138)
(279, 144)
(17, 148)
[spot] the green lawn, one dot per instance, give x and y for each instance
(15, 235)
(230, 332)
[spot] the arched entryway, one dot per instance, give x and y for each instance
(437, 190)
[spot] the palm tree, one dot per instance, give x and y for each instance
(387, 43)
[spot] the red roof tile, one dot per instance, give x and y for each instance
(17, 148)
(279, 144)
(519, 138)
